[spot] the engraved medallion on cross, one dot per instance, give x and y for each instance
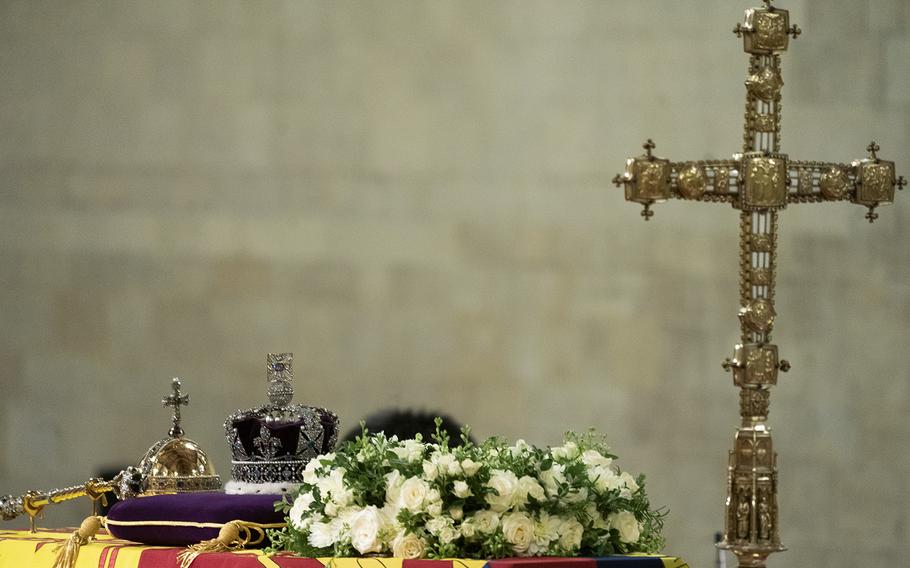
(759, 182)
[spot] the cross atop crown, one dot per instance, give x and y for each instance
(175, 401)
(280, 373)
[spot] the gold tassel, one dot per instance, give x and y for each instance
(68, 552)
(232, 536)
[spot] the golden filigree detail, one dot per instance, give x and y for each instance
(762, 122)
(833, 183)
(878, 183)
(806, 178)
(761, 366)
(761, 243)
(759, 314)
(692, 182)
(722, 180)
(765, 183)
(653, 179)
(770, 31)
(766, 84)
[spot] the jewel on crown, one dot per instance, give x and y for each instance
(271, 444)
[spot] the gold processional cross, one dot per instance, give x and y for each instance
(759, 182)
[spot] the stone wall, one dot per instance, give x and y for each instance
(415, 198)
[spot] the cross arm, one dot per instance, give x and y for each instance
(649, 179)
(869, 182)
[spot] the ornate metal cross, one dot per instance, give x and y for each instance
(175, 401)
(759, 182)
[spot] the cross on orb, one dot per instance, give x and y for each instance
(759, 182)
(175, 401)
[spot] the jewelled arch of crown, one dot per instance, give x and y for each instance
(759, 182)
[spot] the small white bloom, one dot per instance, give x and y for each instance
(593, 457)
(393, 483)
(448, 534)
(410, 451)
(299, 509)
(597, 520)
(408, 546)
(604, 478)
(486, 521)
(552, 478)
(628, 527)
(430, 471)
(321, 535)
(520, 448)
(468, 528)
(546, 530)
(571, 533)
(435, 526)
(568, 451)
(629, 481)
(434, 509)
(530, 486)
(365, 528)
(456, 512)
(461, 490)
(518, 530)
(445, 463)
(469, 467)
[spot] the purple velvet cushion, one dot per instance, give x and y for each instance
(186, 511)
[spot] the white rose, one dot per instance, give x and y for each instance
(430, 471)
(518, 530)
(365, 527)
(628, 527)
(448, 534)
(435, 526)
(309, 472)
(568, 451)
(299, 509)
(629, 481)
(446, 464)
(322, 535)
(469, 467)
(468, 528)
(597, 520)
(333, 485)
(413, 494)
(552, 478)
(408, 546)
(506, 490)
(546, 530)
(530, 486)
(393, 483)
(434, 509)
(604, 478)
(410, 451)
(456, 512)
(461, 490)
(571, 533)
(592, 457)
(577, 496)
(486, 521)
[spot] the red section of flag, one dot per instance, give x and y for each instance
(544, 562)
(428, 564)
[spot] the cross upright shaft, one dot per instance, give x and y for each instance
(759, 182)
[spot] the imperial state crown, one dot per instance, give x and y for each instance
(271, 444)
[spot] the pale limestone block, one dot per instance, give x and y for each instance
(897, 85)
